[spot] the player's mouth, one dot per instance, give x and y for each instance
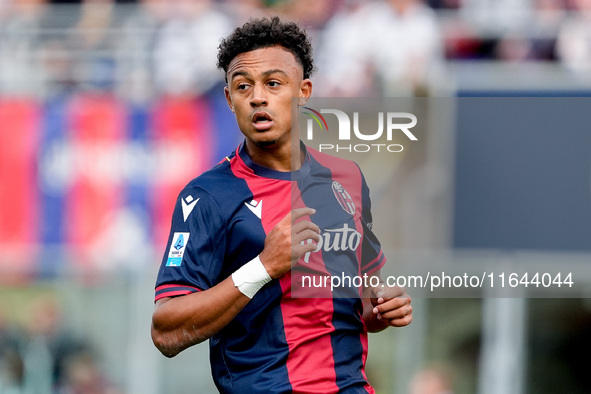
(262, 121)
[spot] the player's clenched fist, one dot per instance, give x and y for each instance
(284, 244)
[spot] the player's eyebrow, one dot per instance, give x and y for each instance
(264, 74)
(274, 71)
(238, 73)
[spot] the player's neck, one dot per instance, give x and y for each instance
(277, 158)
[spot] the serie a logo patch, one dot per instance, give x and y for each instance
(177, 249)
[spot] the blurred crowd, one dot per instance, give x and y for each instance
(363, 47)
(40, 355)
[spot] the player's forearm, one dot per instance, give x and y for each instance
(181, 322)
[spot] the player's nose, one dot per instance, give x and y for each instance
(259, 96)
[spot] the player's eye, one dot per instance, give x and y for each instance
(273, 84)
(242, 86)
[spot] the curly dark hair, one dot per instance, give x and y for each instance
(264, 33)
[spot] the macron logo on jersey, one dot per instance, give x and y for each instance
(188, 204)
(255, 207)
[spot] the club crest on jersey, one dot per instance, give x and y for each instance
(343, 197)
(177, 249)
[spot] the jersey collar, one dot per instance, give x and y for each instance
(273, 174)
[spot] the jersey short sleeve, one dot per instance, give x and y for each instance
(194, 255)
(372, 258)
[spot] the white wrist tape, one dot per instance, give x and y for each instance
(251, 277)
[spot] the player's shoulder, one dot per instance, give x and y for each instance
(215, 181)
(344, 171)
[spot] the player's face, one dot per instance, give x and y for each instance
(261, 85)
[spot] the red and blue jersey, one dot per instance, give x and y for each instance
(281, 342)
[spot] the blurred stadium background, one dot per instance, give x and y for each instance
(108, 108)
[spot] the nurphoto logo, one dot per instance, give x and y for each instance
(391, 124)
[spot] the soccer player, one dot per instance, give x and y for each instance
(240, 230)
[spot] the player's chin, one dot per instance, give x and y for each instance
(265, 143)
(265, 139)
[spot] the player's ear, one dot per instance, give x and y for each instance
(305, 91)
(228, 98)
